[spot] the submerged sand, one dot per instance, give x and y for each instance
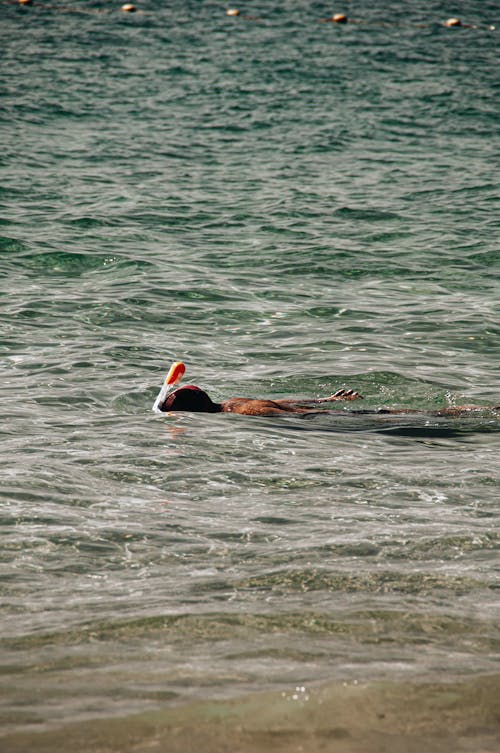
(339, 717)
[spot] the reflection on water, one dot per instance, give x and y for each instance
(485, 421)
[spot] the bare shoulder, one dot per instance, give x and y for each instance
(252, 407)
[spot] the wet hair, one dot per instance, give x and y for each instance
(189, 398)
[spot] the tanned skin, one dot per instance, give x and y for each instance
(254, 407)
(193, 399)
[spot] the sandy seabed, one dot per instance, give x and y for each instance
(338, 717)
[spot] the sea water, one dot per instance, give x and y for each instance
(289, 206)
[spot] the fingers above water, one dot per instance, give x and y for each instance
(343, 394)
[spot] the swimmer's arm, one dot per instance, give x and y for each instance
(336, 397)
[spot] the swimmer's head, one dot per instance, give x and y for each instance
(188, 398)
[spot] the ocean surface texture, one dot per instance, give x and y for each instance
(289, 207)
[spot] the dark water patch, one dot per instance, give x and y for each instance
(417, 426)
(13, 245)
(368, 215)
(68, 264)
(390, 624)
(275, 521)
(351, 549)
(443, 433)
(488, 258)
(388, 582)
(445, 548)
(94, 222)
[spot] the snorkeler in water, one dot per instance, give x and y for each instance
(196, 400)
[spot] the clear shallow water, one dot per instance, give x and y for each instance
(290, 207)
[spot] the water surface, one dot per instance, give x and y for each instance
(289, 207)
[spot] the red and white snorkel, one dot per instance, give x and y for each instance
(174, 376)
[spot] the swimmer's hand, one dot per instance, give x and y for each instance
(341, 395)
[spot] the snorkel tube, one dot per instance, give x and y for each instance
(175, 374)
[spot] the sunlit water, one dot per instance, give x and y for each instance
(289, 207)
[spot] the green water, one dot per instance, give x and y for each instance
(289, 207)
